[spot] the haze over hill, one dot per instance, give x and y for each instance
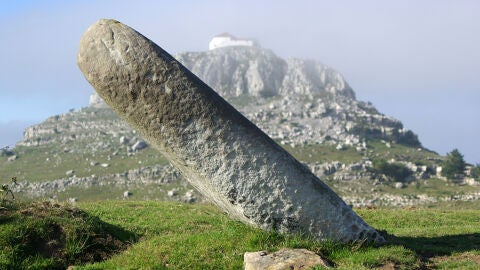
(296, 101)
(307, 107)
(414, 60)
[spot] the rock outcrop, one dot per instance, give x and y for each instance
(282, 95)
(258, 72)
(221, 153)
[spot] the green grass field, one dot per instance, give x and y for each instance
(173, 235)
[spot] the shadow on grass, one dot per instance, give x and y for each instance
(5, 216)
(428, 247)
(48, 235)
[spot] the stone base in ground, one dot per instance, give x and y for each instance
(284, 259)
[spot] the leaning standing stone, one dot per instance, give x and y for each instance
(221, 153)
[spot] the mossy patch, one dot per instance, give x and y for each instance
(46, 235)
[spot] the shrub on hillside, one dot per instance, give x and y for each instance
(454, 164)
(475, 172)
(397, 171)
(5, 190)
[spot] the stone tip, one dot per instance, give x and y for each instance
(105, 49)
(106, 21)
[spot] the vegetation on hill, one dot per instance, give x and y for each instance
(48, 164)
(453, 165)
(397, 171)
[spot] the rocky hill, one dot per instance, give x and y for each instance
(304, 105)
(295, 100)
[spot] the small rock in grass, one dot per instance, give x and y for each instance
(399, 185)
(284, 259)
(172, 193)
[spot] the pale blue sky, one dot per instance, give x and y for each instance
(417, 61)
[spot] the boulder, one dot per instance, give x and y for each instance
(284, 259)
(399, 185)
(139, 145)
(124, 140)
(221, 153)
(189, 197)
(172, 193)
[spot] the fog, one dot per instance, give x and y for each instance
(417, 61)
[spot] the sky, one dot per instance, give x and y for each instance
(417, 61)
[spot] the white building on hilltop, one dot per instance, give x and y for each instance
(96, 101)
(227, 40)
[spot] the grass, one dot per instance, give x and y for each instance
(433, 187)
(399, 152)
(43, 165)
(323, 153)
(148, 192)
(47, 235)
(182, 236)
(50, 161)
(375, 149)
(242, 100)
(174, 235)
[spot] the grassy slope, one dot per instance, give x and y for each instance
(183, 236)
(34, 167)
(198, 236)
(38, 164)
(375, 149)
(49, 162)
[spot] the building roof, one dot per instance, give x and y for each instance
(225, 34)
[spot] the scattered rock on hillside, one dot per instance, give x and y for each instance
(124, 140)
(70, 173)
(190, 197)
(172, 193)
(139, 145)
(399, 185)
